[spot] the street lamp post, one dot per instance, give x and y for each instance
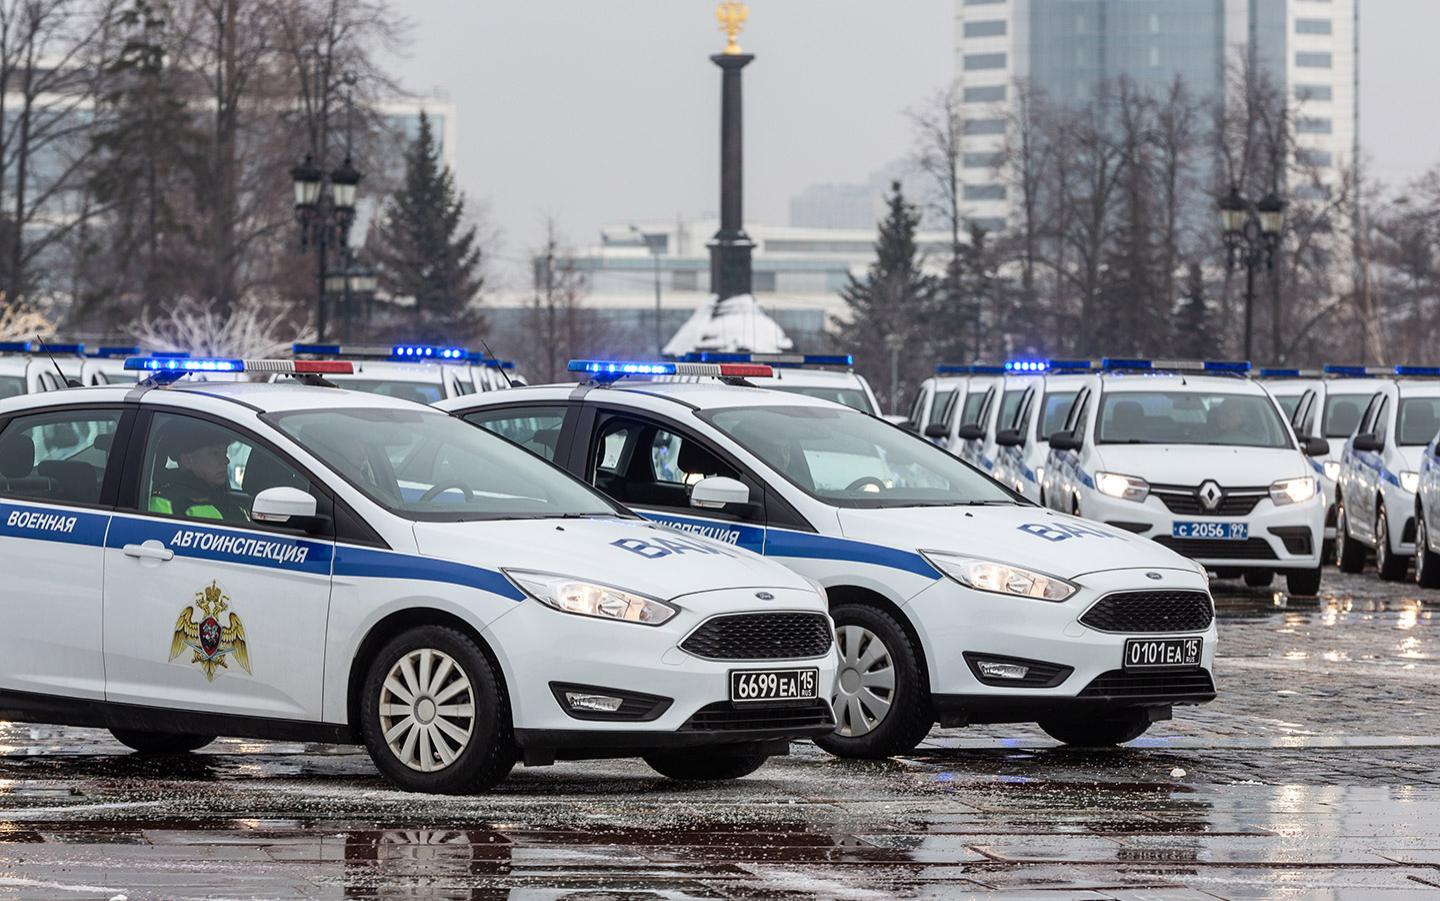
(1252, 239)
(351, 283)
(656, 244)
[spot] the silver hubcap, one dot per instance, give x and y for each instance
(866, 685)
(427, 710)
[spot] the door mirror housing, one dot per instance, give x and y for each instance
(1066, 441)
(1009, 438)
(1368, 442)
(718, 492)
(1315, 447)
(971, 432)
(936, 430)
(287, 507)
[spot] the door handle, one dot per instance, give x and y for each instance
(150, 550)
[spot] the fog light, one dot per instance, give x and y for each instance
(592, 703)
(992, 670)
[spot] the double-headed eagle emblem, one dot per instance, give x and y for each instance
(210, 641)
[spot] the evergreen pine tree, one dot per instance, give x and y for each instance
(887, 306)
(1193, 338)
(424, 249)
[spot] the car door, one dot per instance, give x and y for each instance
(59, 470)
(649, 464)
(1365, 471)
(205, 609)
(919, 409)
(539, 428)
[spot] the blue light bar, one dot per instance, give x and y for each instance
(779, 360)
(107, 353)
(1227, 365)
(171, 354)
(184, 364)
(1027, 367)
(617, 369)
(1426, 371)
(408, 353)
(1121, 364)
(70, 349)
(969, 369)
(428, 352)
(1269, 373)
(1072, 365)
(1356, 372)
(15, 347)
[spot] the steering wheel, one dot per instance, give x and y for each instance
(861, 483)
(437, 490)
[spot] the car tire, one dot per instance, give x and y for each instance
(1097, 732)
(1259, 578)
(705, 765)
(424, 677)
(906, 716)
(1351, 555)
(1304, 583)
(1393, 567)
(1427, 562)
(161, 742)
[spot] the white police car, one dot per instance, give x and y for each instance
(422, 373)
(1380, 472)
(1289, 386)
(297, 562)
(1199, 458)
(998, 412)
(830, 377)
(954, 599)
(931, 406)
(1023, 441)
(969, 393)
(26, 369)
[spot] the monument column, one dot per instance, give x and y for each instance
(730, 249)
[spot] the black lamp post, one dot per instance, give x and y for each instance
(352, 284)
(1252, 239)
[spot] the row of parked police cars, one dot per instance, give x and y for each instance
(693, 562)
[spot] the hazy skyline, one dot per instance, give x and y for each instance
(608, 112)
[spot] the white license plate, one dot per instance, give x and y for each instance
(1147, 653)
(1211, 531)
(774, 685)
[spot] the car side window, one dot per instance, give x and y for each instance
(1022, 416)
(534, 428)
(646, 464)
(197, 469)
(940, 410)
(917, 409)
(1367, 421)
(1075, 422)
(57, 457)
(1381, 425)
(1302, 418)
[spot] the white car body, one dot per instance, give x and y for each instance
(998, 412)
(1043, 411)
(880, 557)
(26, 373)
(1331, 409)
(932, 407)
(1378, 484)
(96, 579)
(1196, 498)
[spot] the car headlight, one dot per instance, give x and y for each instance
(1332, 470)
(1410, 481)
(1127, 488)
(1000, 578)
(1293, 491)
(589, 599)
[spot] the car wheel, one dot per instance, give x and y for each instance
(1392, 566)
(1427, 562)
(434, 713)
(1097, 732)
(1352, 552)
(1304, 582)
(160, 742)
(881, 702)
(705, 765)
(1259, 578)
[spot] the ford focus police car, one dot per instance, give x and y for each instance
(1023, 441)
(422, 373)
(1380, 472)
(1199, 458)
(300, 562)
(954, 599)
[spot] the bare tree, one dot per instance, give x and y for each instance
(559, 326)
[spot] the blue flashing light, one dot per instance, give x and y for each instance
(1269, 373)
(428, 352)
(16, 347)
(324, 350)
(1112, 364)
(1426, 371)
(617, 369)
(109, 353)
(182, 365)
(1027, 367)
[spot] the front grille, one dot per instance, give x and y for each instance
(726, 717)
(1151, 611)
(1202, 549)
(1296, 539)
(1183, 499)
(1192, 684)
(761, 636)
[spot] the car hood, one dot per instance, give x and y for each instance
(1034, 537)
(1188, 464)
(626, 553)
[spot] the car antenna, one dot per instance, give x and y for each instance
(64, 382)
(491, 355)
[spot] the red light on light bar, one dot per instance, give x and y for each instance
(325, 367)
(746, 370)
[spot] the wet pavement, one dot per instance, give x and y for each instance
(1316, 774)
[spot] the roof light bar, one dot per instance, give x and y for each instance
(786, 361)
(1282, 373)
(1120, 364)
(1072, 365)
(15, 347)
(110, 353)
(419, 353)
(1356, 372)
(606, 371)
(969, 369)
(168, 369)
(66, 349)
(1418, 371)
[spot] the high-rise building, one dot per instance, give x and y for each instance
(1068, 48)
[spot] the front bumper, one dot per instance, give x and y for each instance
(954, 620)
(539, 647)
(1281, 538)
(1400, 508)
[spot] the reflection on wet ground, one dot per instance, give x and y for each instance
(1315, 775)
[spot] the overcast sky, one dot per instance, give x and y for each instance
(606, 111)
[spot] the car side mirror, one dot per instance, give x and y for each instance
(1009, 438)
(285, 506)
(1368, 442)
(936, 430)
(1066, 441)
(971, 432)
(1315, 447)
(718, 492)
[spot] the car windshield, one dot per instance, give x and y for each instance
(1057, 410)
(1342, 414)
(419, 392)
(1191, 417)
(1419, 420)
(11, 385)
(424, 465)
(853, 398)
(1289, 403)
(974, 402)
(849, 459)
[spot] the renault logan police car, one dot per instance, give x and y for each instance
(300, 562)
(1380, 472)
(954, 599)
(1022, 441)
(1199, 458)
(422, 373)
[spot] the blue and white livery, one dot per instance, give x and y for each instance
(1022, 442)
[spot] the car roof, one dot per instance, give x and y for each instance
(1354, 386)
(14, 365)
(1418, 387)
(266, 397)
